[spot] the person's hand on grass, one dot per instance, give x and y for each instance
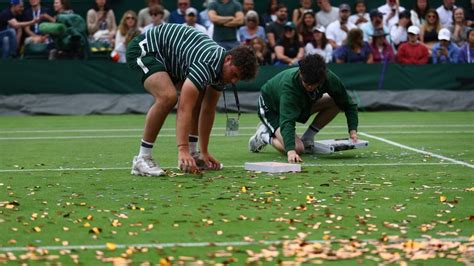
(210, 161)
(293, 157)
(186, 162)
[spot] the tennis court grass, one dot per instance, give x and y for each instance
(65, 183)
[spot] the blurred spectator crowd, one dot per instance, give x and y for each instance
(391, 33)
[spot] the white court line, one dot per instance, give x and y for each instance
(225, 166)
(416, 150)
(217, 128)
(215, 244)
(218, 135)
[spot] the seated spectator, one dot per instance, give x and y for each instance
(381, 49)
(177, 16)
(429, 29)
(156, 12)
(204, 16)
(398, 33)
(391, 11)
(60, 7)
(445, 51)
(337, 31)
(276, 28)
(36, 10)
(458, 29)
(261, 51)
(251, 29)
(376, 22)
(289, 50)
(413, 52)
(305, 30)
(227, 17)
(355, 50)
(445, 12)
(10, 28)
(144, 17)
(127, 30)
(319, 45)
(328, 14)
(466, 52)
(418, 13)
(271, 12)
(101, 23)
(361, 16)
(298, 13)
(191, 20)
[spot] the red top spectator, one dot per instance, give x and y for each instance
(413, 52)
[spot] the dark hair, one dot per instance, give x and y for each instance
(156, 9)
(313, 69)
(269, 6)
(324, 41)
(463, 12)
(359, 2)
(244, 58)
(280, 6)
(302, 28)
(106, 6)
(421, 13)
(355, 37)
(66, 4)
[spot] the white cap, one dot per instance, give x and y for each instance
(191, 10)
(444, 34)
(319, 28)
(414, 30)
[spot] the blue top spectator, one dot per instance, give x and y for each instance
(355, 50)
(177, 16)
(466, 53)
(445, 51)
(251, 29)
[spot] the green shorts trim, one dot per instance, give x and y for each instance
(139, 59)
(269, 118)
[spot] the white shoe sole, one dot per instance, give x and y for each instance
(136, 172)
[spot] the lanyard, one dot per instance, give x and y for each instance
(236, 96)
(36, 14)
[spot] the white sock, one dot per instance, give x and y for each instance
(145, 148)
(310, 133)
(193, 143)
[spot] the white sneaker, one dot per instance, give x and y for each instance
(146, 166)
(256, 143)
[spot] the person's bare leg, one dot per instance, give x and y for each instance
(160, 86)
(278, 143)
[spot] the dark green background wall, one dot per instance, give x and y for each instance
(119, 6)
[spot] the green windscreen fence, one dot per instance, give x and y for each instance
(74, 77)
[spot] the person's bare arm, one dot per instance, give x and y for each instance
(17, 24)
(370, 59)
(237, 20)
(187, 101)
(216, 19)
(271, 39)
(206, 120)
(280, 54)
(332, 43)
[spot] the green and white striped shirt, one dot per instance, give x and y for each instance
(187, 53)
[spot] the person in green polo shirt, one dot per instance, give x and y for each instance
(227, 17)
(293, 96)
(174, 57)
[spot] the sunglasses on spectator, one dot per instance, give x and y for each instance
(432, 16)
(154, 14)
(182, 4)
(129, 18)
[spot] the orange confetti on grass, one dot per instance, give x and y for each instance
(442, 198)
(111, 246)
(243, 189)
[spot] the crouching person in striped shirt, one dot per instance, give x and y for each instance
(174, 58)
(293, 96)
